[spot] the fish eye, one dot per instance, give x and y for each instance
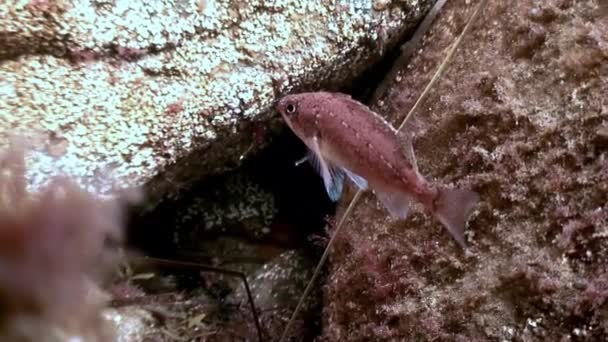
(290, 108)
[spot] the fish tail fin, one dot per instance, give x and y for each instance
(453, 208)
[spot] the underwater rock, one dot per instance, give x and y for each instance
(235, 206)
(517, 116)
(131, 91)
(276, 288)
(130, 323)
(235, 255)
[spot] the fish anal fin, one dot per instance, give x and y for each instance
(397, 204)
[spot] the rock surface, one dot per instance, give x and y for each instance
(237, 206)
(130, 91)
(520, 116)
(276, 287)
(129, 323)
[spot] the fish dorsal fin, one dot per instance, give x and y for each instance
(344, 95)
(358, 180)
(406, 136)
(333, 177)
(407, 148)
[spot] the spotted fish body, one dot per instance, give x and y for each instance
(346, 138)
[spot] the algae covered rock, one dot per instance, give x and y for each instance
(236, 206)
(518, 116)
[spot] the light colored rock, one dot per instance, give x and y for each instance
(278, 284)
(120, 92)
(276, 288)
(130, 323)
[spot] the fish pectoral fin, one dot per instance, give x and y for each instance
(358, 180)
(397, 204)
(333, 177)
(334, 183)
(301, 160)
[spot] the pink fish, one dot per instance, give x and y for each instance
(345, 137)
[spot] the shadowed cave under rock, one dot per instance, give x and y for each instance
(245, 220)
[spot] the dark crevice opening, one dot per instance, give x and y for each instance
(301, 201)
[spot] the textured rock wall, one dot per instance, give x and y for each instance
(521, 116)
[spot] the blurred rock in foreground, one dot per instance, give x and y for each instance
(55, 257)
